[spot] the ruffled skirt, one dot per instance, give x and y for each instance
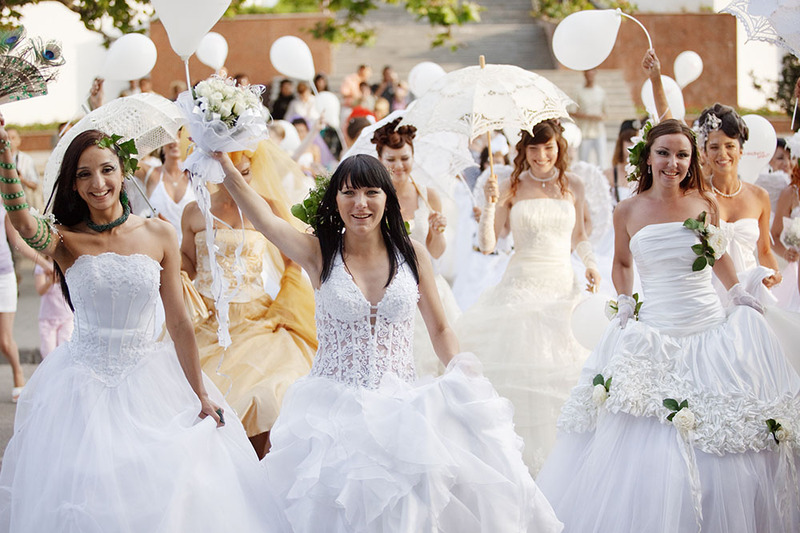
(619, 465)
(128, 455)
(439, 456)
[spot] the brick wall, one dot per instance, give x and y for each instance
(249, 39)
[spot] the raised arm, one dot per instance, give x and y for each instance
(299, 247)
(652, 66)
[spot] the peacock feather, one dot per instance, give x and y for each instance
(26, 67)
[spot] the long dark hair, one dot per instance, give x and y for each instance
(356, 172)
(694, 177)
(542, 133)
(68, 207)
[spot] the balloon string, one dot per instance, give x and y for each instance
(188, 78)
(649, 40)
(794, 113)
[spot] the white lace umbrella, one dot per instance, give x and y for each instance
(475, 100)
(438, 156)
(772, 21)
(149, 119)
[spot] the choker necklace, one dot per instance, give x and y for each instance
(544, 181)
(720, 193)
(100, 228)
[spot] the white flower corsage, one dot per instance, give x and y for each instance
(713, 242)
(601, 389)
(681, 416)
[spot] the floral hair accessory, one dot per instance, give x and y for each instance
(711, 123)
(124, 150)
(306, 210)
(712, 242)
(636, 152)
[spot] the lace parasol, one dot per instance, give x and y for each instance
(772, 21)
(149, 119)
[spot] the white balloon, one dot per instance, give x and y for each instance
(589, 320)
(758, 149)
(187, 21)
(130, 57)
(674, 98)
(688, 66)
(213, 50)
(291, 57)
(329, 107)
(585, 39)
(422, 76)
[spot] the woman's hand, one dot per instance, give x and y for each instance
(593, 279)
(209, 408)
(437, 222)
(650, 63)
(791, 255)
(771, 281)
(491, 190)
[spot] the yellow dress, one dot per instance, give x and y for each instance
(273, 342)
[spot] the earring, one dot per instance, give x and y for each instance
(649, 170)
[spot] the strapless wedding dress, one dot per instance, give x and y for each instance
(106, 434)
(619, 464)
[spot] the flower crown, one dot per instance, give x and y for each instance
(124, 150)
(636, 152)
(711, 123)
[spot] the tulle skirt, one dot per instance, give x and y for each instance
(92, 456)
(438, 456)
(619, 465)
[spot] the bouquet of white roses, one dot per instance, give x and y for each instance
(790, 236)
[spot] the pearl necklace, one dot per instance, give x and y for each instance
(544, 181)
(720, 193)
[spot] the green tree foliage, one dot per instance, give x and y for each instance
(345, 23)
(790, 72)
(556, 10)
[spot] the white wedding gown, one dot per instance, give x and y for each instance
(360, 448)
(623, 467)
(107, 437)
(520, 329)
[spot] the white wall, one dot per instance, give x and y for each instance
(84, 55)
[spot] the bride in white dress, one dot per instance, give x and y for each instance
(520, 329)
(673, 424)
(359, 447)
(107, 435)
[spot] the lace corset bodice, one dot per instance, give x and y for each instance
(251, 286)
(542, 231)
(742, 238)
(358, 345)
(115, 298)
(676, 299)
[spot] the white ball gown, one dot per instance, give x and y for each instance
(520, 329)
(107, 437)
(360, 448)
(620, 466)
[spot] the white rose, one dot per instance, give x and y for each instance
(684, 420)
(599, 394)
(716, 240)
(228, 91)
(215, 101)
(783, 434)
(202, 89)
(630, 169)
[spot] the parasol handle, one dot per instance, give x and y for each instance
(419, 193)
(492, 175)
(794, 113)
(649, 40)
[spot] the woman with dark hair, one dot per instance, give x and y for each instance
(520, 329)
(685, 416)
(617, 175)
(421, 208)
(359, 447)
(788, 292)
(114, 431)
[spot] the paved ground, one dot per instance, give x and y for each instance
(6, 407)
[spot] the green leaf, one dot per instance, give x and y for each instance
(300, 212)
(598, 380)
(671, 416)
(699, 264)
(710, 259)
(684, 404)
(772, 425)
(608, 384)
(699, 249)
(671, 404)
(691, 223)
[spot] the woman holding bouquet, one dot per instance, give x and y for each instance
(520, 329)
(116, 432)
(685, 417)
(272, 341)
(359, 446)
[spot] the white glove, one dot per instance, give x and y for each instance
(487, 240)
(739, 296)
(626, 306)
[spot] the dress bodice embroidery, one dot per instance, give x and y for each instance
(254, 246)
(115, 298)
(358, 346)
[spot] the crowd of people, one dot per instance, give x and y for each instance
(408, 361)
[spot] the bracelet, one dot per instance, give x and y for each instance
(10, 181)
(8, 166)
(41, 238)
(17, 207)
(6, 145)
(12, 196)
